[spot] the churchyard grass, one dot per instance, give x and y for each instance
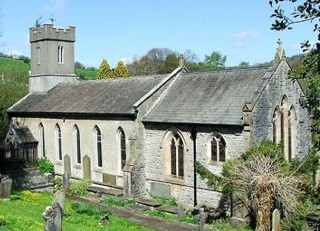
(23, 212)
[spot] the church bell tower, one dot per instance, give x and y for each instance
(52, 57)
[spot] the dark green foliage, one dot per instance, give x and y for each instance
(170, 64)
(46, 166)
(215, 60)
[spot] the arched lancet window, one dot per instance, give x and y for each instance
(276, 126)
(174, 148)
(77, 144)
(58, 142)
(292, 133)
(41, 145)
(60, 54)
(123, 150)
(98, 145)
(218, 148)
(284, 124)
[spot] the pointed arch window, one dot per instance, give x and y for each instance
(276, 126)
(41, 145)
(58, 142)
(177, 156)
(98, 146)
(218, 148)
(77, 144)
(123, 150)
(292, 133)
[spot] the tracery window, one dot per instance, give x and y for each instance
(218, 148)
(177, 156)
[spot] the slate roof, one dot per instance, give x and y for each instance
(113, 96)
(210, 97)
(24, 135)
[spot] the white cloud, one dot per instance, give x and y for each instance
(240, 39)
(15, 53)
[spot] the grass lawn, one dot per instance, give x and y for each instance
(23, 212)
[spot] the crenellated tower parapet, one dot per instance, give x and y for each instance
(49, 32)
(52, 57)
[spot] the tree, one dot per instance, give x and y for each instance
(306, 11)
(261, 178)
(104, 70)
(121, 70)
(215, 60)
(170, 64)
(79, 65)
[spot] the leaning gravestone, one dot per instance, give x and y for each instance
(58, 197)
(86, 167)
(5, 187)
(67, 164)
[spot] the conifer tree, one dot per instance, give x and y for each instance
(104, 70)
(121, 70)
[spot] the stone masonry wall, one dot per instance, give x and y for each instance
(183, 190)
(278, 86)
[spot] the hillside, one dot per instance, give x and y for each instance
(14, 85)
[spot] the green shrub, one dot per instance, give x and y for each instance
(46, 166)
(170, 201)
(79, 188)
(118, 201)
(57, 183)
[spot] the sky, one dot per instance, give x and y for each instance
(124, 29)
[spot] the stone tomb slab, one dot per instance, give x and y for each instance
(160, 190)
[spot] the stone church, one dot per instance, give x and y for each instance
(143, 134)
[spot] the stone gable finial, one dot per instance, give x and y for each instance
(280, 51)
(280, 55)
(181, 61)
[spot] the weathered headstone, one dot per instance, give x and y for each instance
(276, 220)
(67, 164)
(5, 187)
(109, 179)
(86, 167)
(65, 181)
(58, 197)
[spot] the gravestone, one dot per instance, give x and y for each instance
(160, 190)
(67, 164)
(86, 167)
(65, 181)
(58, 197)
(276, 220)
(5, 187)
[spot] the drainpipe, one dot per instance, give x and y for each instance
(194, 137)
